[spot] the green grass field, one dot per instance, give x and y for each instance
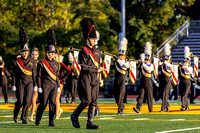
(109, 122)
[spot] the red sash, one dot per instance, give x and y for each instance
(3, 70)
(49, 70)
(94, 60)
(22, 67)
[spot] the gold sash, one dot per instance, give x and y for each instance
(95, 62)
(185, 75)
(120, 70)
(165, 72)
(24, 70)
(49, 72)
(148, 75)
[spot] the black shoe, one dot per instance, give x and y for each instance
(182, 109)
(52, 125)
(24, 122)
(96, 113)
(136, 110)
(67, 100)
(15, 120)
(123, 108)
(186, 108)
(90, 125)
(75, 122)
(37, 123)
(119, 113)
(151, 111)
(167, 108)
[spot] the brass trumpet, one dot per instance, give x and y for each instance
(192, 55)
(104, 52)
(73, 49)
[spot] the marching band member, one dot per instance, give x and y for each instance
(98, 57)
(197, 87)
(186, 73)
(89, 68)
(48, 81)
(34, 55)
(165, 82)
(62, 76)
(145, 81)
(24, 71)
(71, 80)
(3, 81)
(120, 71)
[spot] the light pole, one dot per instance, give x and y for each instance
(123, 23)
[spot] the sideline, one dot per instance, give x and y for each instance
(179, 130)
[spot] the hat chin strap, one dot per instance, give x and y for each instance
(90, 45)
(49, 57)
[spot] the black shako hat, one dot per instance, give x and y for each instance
(88, 28)
(23, 39)
(51, 41)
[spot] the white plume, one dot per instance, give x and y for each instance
(187, 52)
(148, 47)
(123, 44)
(61, 58)
(70, 57)
(98, 37)
(167, 49)
(142, 57)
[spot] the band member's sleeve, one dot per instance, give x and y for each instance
(126, 64)
(83, 58)
(149, 69)
(67, 71)
(169, 65)
(13, 74)
(7, 73)
(123, 64)
(34, 73)
(39, 74)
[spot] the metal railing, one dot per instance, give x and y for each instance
(174, 39)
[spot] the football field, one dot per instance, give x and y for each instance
(173, 121)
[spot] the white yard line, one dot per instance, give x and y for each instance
(179, 130)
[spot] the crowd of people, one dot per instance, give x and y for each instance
(42, 81)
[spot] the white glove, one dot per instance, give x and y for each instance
(35, 88)
(157, 84)
(14, 88)
(40, 90)
(58, 90)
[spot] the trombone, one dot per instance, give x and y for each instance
(73, 49)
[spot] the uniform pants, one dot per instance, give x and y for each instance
(165, 85)
(119, 92)
(185, 89)
(3, 87)
(49, 94)
(197, 93)
(72, 90)
(146, 87)
(23, 95)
